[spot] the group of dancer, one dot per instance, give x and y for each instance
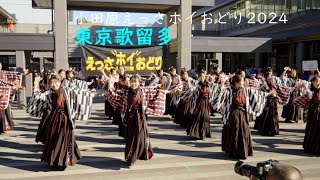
(62, 99)
(191, 101)
(10, 83)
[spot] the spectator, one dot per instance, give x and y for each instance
(305, 75)
(11, 26)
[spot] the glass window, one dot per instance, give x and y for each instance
(309, 4)
(316, 4)
(286, 6)
(317, 47)
(301, 5)
(294, 6)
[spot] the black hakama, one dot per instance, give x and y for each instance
(171, 103)
(199, 126)
(108, 109)
(179, 112)
(311, 143)
(138, 144)
(183, 112)
(60, 147)
(268, 122)
(43, 128)
(290, 111)
(236, 136)
(6, 122)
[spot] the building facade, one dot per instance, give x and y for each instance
(292, 25)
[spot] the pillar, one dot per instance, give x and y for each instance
(219, 58)
(258, 60)
(291, 55)
(29, 77)
(299, 56)
(21, 65)
(60, 32)
(184, 35)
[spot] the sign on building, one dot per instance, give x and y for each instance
(310, 65)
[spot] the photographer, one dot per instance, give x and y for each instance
(268, 170)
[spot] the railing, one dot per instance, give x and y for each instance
(27, 28)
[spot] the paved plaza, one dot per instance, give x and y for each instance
(176, 155)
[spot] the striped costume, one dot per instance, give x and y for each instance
(268, 122)
(172, 99)
(290, 111)
(184, 109)
(164, 81)
(202, 97)
(4, 108)
(9, 80)
(135, 104)
(234, 105)
(60, 109)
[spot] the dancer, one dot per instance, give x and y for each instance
(5, 121)
(161, 79)
(172, 99)
(12, 80)
(234, 103)
(199, 126)
(310, 101)
(136, 103)
(290, 111)
(106, 77)
(59, 102)
(268, 122)
(183, 111)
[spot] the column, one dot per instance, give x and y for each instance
(184, 35)
(258, 60)
(291, 55)
(29, 77)
(299, 56)
(21, 65)
(219, 58)
(60, 32)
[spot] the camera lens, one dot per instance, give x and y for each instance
(237, 167)
(243, 169)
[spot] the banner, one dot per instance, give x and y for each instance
(310, 65)
(140, 61)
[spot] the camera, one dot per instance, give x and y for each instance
(259, 172)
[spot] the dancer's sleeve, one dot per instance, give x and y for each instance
(185, 94)
(214, 94)
(223, 103)
(283, 94)
(155, 81)
(255, 101)
(4, 96)
(282, 81)
(38, 103)
(115, 97)
(82, 103)
(253, 83)
(154, 101)
(304, 102)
